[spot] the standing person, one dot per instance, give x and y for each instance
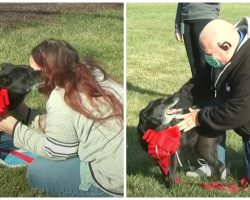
(227, 47)
(81, 147)
(190, 19)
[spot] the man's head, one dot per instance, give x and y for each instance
(219, 40)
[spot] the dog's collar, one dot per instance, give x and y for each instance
(162, 144)
(4, 101)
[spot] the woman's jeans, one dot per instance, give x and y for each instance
(246, 155)
(60, 178)
(221, 152)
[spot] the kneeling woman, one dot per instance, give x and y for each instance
(80, 147)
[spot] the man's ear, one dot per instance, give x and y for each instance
(225, 45)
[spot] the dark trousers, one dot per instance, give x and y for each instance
(196, 58)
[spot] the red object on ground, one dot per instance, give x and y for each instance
(162, 144)
(4, 101)
(20, 155)
(244, 184)
(233, 188)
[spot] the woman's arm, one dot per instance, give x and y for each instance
(177, 31)
(58, 141)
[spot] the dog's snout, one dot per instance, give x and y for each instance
(5, 81)
(37, 80)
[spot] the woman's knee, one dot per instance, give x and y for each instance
(49, 172)
(35, 172)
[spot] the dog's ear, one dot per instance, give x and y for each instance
(141, 125)
(5, 66)
(139, 129)
(5, 81)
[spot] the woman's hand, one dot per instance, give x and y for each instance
(189, 120)
(7, 123)
(178, 37)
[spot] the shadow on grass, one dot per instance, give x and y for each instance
(14, 14)
(138, 160)
(38, 12)
(137, 89)
(105, 15)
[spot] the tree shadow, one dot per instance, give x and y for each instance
(105, 15)
(137, 89)
(40, 12)
(138, 160)
(11, 14)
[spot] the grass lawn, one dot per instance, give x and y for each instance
(92, 31)
(157, 65)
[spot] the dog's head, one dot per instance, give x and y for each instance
(157, 115)
(19, 80)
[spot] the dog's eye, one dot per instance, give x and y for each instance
(5, 81)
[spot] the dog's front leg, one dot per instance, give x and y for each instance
(170, 181)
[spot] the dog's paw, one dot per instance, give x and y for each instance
(168, 182)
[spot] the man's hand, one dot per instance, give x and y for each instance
(7, 123)
(189, 120)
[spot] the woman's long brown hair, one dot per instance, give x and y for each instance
(61, 66)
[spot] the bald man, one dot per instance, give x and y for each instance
(226, 48)
(219, 41)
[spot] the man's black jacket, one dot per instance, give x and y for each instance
(225, 105)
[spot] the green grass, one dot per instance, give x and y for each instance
(157, 65)
(99, 35)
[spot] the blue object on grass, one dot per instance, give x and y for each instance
(9, 159)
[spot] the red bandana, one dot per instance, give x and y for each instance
(162, 144)
(4, 101)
